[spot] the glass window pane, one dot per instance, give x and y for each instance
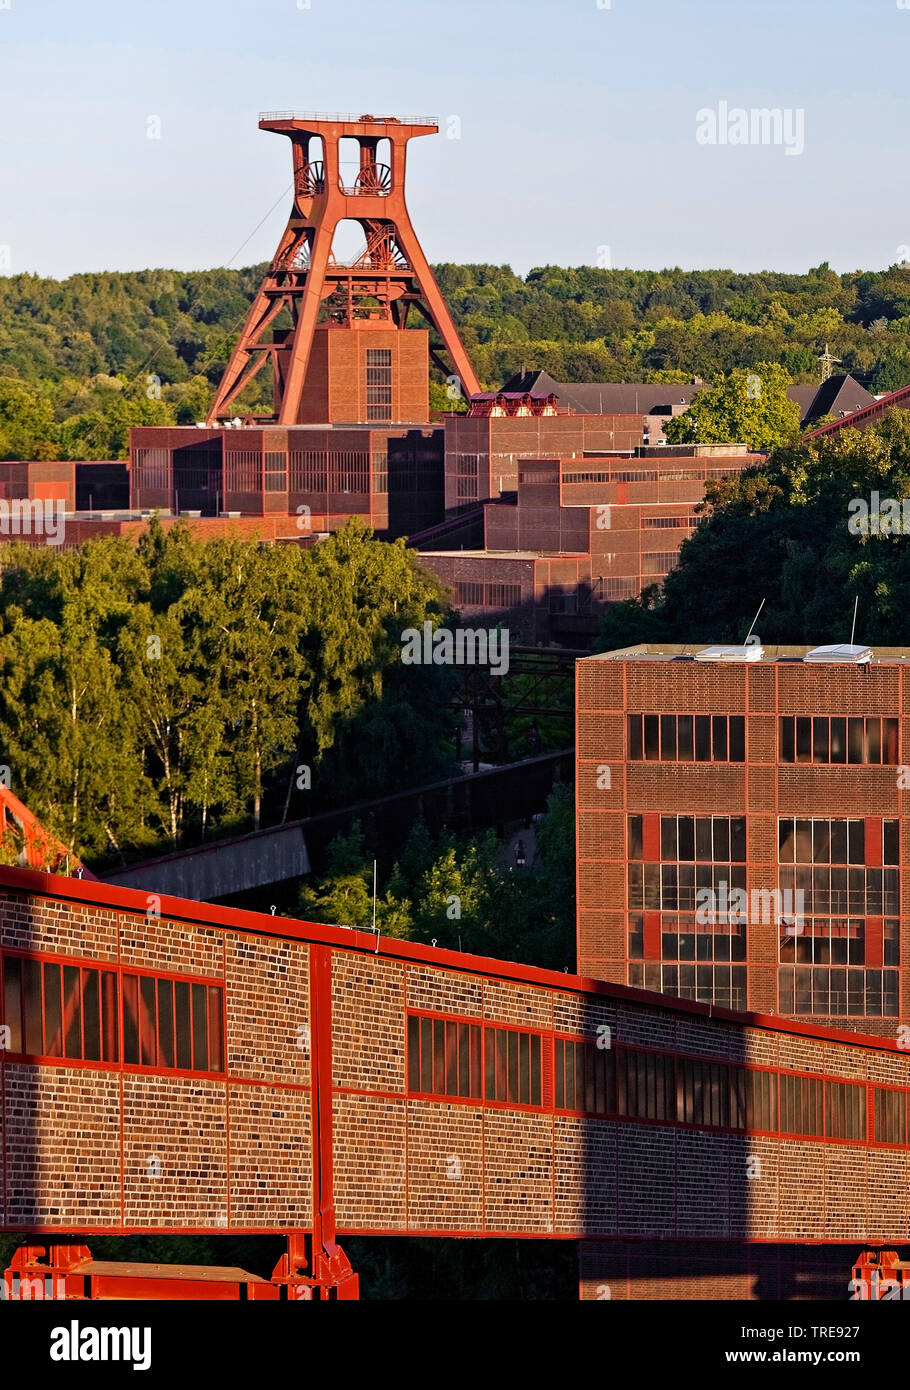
(787, 738)
(685, 736)
(476, 1089)
(413, 1050)
(838, 740)
(131, 1018)
(148, 1028)
(200, 1030)
(719, 738)
(451, 1059)
(31, 996)
(53, 1011)
(635, 741)
(183, 1024)
(803, 739)
(652, 740)
(821, 749)
(91, 1015)
(737, 738)
(216, 1028)
(426, 1055)
(166, 1056)
(668, 738)
(703, 738)
(110, 1020)
(72, 1011)
(12, 1000)
(439, 1057)
(854, 740)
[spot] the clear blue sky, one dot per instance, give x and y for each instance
(577, 127)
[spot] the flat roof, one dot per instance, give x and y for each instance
(771, 655)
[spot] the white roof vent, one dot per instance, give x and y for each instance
(841, 653)
(739, 654)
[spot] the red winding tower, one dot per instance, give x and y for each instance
(367, 302)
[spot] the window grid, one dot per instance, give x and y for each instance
(825, 968)
(706, 1093)
(833, 739)
(67, 1010)
(686, 738)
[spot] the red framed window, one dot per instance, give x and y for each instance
(64, 1009)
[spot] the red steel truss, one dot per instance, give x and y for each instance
(389, 277)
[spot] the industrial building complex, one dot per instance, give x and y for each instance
(742, 989)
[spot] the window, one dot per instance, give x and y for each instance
(349, 471)
(443, 1057)
(800, 1104)
(276, 471)
(686, 738)
(379, 383)
(152, 468)
(659, 561)
(845, 1110)
(645, 1085)
(60, 1010)
(703, 1093)
(172, 1024)
(848, 913)
(584, 1077)
(891, 1116)
(838, 739)
(242, 470)
(512, 1066)
(308, 470)
(380, 471)
(669, 523)
(73, 1012)
(448, 1057)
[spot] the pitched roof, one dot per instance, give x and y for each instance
(607, 397)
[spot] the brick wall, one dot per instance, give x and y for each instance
(115, 1147)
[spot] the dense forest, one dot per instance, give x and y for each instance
(152, 696)
(83, 359)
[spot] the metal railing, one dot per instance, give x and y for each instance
(342, 116)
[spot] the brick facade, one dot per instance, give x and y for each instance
(119, 1147)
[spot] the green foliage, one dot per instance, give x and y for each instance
(83, 359)
(746, 407)
(779, 532)
(459, 893)
(171, 689)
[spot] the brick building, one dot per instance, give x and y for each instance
(777, 770)
(229, 1071)
(580, 532)
(483, 450)
(392, 477)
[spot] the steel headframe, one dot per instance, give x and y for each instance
(390, 275)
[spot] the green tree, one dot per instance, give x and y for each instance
(746, 407)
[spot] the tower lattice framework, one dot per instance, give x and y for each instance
(386, 280)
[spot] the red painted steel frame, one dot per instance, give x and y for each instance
(392, 272)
